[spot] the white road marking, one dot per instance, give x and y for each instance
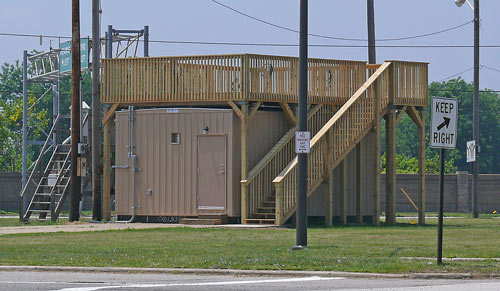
(202, 284)
(453, 287)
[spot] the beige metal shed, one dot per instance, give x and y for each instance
(188, 161)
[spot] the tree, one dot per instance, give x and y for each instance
(11, 89)
(489, 161)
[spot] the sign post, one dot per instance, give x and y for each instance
(444, 113)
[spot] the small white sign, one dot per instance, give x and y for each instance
(444, 112)
(302, 142)
(172, 110)
(471, 151)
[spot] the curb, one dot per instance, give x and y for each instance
(233, 272)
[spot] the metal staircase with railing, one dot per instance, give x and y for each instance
(54, 179)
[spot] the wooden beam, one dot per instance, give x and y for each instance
(253, 111)
(110, 113)
(360, 165)
(106, 191)
(288, 113)
(400, 114)
(415, 116)
(390, 176)
(421, 169)
(244, 161)
(343, 192)
(238, 112)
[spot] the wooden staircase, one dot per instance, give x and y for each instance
(259, 186)
(265, 213)
(51, 191)
(335, 140)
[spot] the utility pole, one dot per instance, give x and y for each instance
(372, 58)
(24, 200)
(96, 114)
(74, 198)
(301, 231)
(475, 113)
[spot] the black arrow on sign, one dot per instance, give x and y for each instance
(446, 123)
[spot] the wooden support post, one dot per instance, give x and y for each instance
(343, 192)
(419, 120)
(279, 204)
(421, 169)
(390, 175)
(360, 165)
(106, 197)
(330, 192)
(244, 162)
(376, 160)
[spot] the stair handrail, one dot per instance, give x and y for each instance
(37, 163)
(54, 211)
(317, 166)
(274, 151)
(258, 186)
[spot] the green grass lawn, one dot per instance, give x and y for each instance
(351, 248)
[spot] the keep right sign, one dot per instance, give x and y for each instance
(444, 113)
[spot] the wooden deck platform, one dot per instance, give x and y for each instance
(246, 77)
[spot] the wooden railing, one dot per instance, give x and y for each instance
(410, 81)
(259, 184)
(172, 79)
(226, 78)
(334, 141)
(274, 79)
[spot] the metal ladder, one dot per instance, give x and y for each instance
(53, 186)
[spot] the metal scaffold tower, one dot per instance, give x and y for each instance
(45, 182)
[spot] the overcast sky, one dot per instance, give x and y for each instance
(206, 21)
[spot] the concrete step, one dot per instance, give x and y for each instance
(260, 221)
(199, 221)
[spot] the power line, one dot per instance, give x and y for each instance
(33, 35)
(335, 37)
(490, 68)
(313, 45)
(265, 44)
(457, 74)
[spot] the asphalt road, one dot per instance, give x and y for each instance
(78, 281)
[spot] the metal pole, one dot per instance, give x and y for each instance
(55, 109)
(475, 113)
(109, 42)
(301, 232)
(146, 41)
(24, 200)
(441, 203)
(372, 59)
(74, 200)
(96, 115)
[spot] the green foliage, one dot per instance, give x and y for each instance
(489, 162)
(409, 165)
(11, 112)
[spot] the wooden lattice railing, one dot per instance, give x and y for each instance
(259, 185)
(410, 81)
(226, 78)
(334, 141)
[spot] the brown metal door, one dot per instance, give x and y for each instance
(211, 172)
